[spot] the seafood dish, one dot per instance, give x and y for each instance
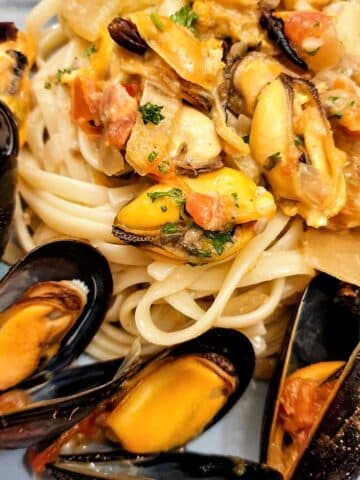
(180, 202)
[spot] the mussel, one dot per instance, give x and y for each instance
(174, 466)
(167, 401)
(298, 154)
(52, 302)
(9, 147)
(205, 219)
(311, 427)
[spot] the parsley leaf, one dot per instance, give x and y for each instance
(299, 141)
(151, 157)
(157, 22)
(151, 113)
(219, 239)
(273, 160)
(175, 193)
(185, 17)
(61, 72)
(169, 228)
(163, 208)
(200, 253)
(47, 85)
(164, 167)
(91, 50)
(333, 99)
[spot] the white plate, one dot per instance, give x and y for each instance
(237, 434)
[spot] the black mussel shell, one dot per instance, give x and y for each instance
(174, 466)
(334, 450)
(9, 149)
(63, 260)
(218, 345)
(326, 328)
(61, 402)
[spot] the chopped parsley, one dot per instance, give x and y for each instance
(333, 99)
(219, 239)
(157, 22)
(272, 160)
(163, 208)
(61, 72)
(164, 167)
(169, 229)
(299, 141)
(200, 253)
(151, 113)
(185, 17)
(352, 103)
(245, 138)
(91, 50)
(47, 85)
(151, 157)
(175, 193)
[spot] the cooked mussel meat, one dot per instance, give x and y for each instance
(312, 376)
(32, 329)
(170, 400)
(298, 154)
(9, 147)
(52, 303)
(208, 219)
(15, 61)
(175, 466)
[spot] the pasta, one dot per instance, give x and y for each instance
(73, 182)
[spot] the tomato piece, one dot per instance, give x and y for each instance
(85, 95)
(131, 88)
(119, 114)
(207, 211)
(301, 25)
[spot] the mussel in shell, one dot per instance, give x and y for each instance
(52, 302)
(319, 375)
(298, 154)
(205, 219)
(168, 401)
(9, 147)
(174, 466)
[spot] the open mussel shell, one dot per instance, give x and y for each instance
(59, 403)
(325, 329)
(174, 466)
(9, 148)
(58, 261)
(186, 389)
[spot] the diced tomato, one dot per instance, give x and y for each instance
(302, 25)
(119, 114)
(207, 210)
(85, 95)
(131, 88)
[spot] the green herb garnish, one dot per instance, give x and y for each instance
(152, 156)
(163, 208)
(157, 22)
(151, 113)
(245, 138)
(47, 85)
(299, 141)
(272, 160)
(200, 253)
(61, 72)
(169, 229)
(175, 193)
(235, 197)
(164, 167)
(91, 50)
(333, 99)
(352, 103)
(219, 239)
(185, 17)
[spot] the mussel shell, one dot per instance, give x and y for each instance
(9, 148)
(334, 450)
(63, 260)
(64, 400)
(24, 428)
(324, 329)
(174, 466)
